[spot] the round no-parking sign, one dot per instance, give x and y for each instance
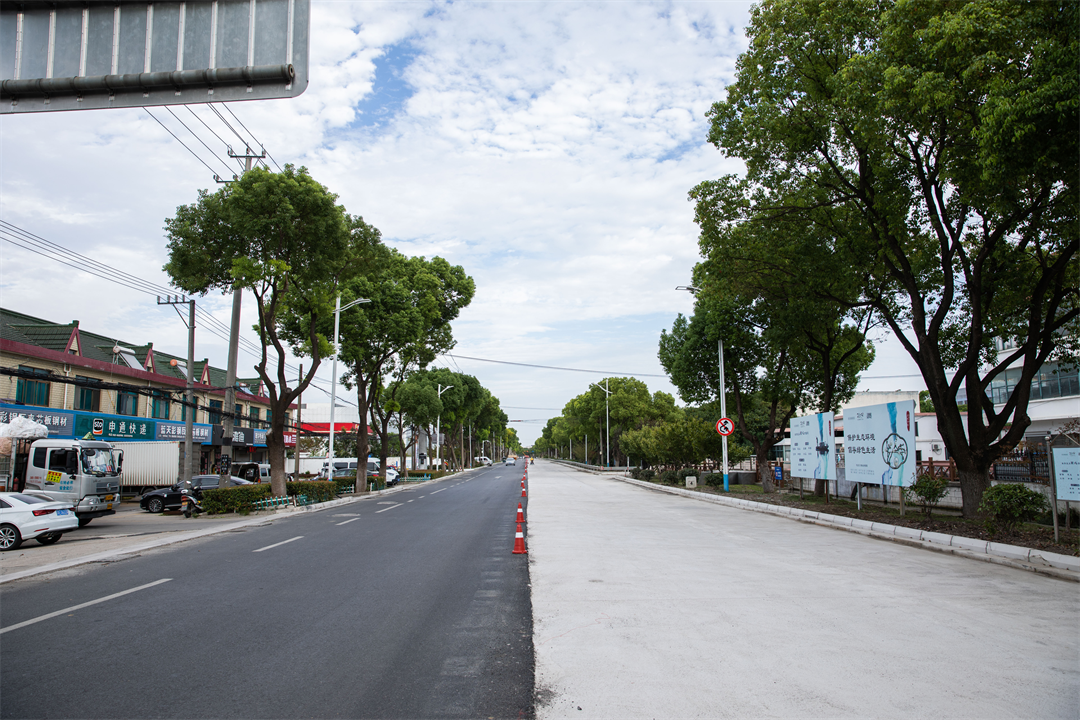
(725, 426)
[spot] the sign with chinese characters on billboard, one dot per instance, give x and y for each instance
(813, 447)
(175, 431)
(879, 444)
(60, 424)
(1067, 473)
(114, 427)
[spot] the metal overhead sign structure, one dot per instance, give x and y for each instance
(83, 56)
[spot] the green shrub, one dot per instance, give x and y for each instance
(669, 477)
(316, 490)
(1010, 504)
(928, 490)
(688, 472)
(713, 480)
(648, 475)
(635, 473)
(234, 499)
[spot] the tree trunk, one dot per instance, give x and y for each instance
(764, 472)
(275, 448)
(819, 487)
(363, 447)
(973, 483)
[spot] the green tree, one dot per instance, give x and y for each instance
(282, 237)
(932, 147)
(406, 325)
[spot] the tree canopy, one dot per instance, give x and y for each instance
(283, 237)
(928, 152)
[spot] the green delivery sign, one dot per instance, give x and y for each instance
(113, 428)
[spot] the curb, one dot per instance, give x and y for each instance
(264, 517)
(1064, 567)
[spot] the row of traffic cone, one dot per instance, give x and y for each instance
(519, 537)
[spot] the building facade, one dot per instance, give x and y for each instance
(76, 382)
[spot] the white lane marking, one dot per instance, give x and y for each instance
(348, 521)
(283, 542)
(80, 607)
(438, 491)
(409, 501)
(389, 508)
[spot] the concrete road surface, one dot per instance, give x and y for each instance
(647, 605)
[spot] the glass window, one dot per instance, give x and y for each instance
(238, 415)
(1069, 382)
(87, 398)
(254, 415)
(58, 459)
(30, 391)
(39, 457)
(215, 412)
(194, 410)
(160, 405)
(127, 403)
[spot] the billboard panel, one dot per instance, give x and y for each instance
(813, 447)
(1067, 473)
(82, 56)
(879, 444)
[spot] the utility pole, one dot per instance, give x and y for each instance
(299, 407)
(189, 399)
(228, 422)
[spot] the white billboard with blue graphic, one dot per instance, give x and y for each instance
(813, 447)
(879, 444)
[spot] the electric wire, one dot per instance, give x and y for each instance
(180, 141)
(208, 148)
(226, 105)
(565, 369)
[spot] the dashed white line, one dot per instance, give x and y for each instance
(283, 542)
(438, 491)
(73, 608)
(389, 508)
(348, 521)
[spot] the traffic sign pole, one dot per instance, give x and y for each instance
(723, 410)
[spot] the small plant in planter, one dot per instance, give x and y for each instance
(927, 490)
(1010, 504)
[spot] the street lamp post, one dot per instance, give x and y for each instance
(333, 390)
(723, 389)
(438, 431)
(607, 416)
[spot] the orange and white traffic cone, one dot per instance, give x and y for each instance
(521, 516)
(519, 543)
(523, 490)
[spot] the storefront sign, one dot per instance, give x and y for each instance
(114, 427)
(175, 431)
(60, 424)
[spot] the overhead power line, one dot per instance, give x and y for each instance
(552, 367)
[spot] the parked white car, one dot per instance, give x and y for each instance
(482, 460)
(24, 516)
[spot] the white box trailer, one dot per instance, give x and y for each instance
(151, 463)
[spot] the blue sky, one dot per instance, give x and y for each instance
(546, 147)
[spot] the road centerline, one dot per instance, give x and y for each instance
(348, 521)
(38, 619)
(283, 542)
(388, 508)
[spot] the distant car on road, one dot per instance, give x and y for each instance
(170, 498)
(510, 461)
(24, 516)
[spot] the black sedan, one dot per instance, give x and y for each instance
(169, 498)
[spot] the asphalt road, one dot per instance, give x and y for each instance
(405, 606)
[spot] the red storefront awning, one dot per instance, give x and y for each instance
(324, 428)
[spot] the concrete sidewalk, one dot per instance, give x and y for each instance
(648, 605)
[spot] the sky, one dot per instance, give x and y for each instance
(546, 147)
